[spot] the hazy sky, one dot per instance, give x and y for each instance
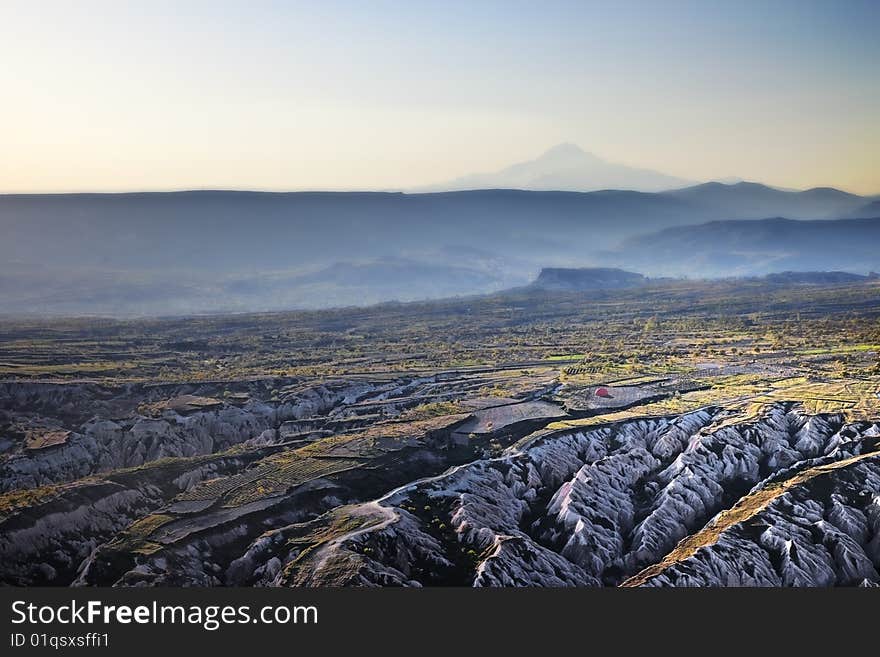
(341, 95)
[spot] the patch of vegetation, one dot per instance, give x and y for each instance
(135, 539)
(12, 501)
(434, 409)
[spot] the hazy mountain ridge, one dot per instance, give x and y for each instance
(872, 209)
(213, 251)
(727, 248)
(749, 200)
(186, 229)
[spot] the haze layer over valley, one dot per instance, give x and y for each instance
(215, 251)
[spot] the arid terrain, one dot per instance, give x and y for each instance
(649, 433)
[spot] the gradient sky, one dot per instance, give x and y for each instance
(107, 96)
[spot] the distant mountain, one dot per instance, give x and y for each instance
(566, 167)
(746, 200)
(746, 248)
(586, 278)
(872, 209)
(172, 253)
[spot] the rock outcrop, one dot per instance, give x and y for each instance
(598, 506)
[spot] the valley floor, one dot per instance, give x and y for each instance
(689, 434)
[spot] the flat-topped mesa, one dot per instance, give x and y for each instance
(587, 278)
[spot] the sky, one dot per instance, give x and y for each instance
(112, 96)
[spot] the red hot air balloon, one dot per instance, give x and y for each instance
(603, 392)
